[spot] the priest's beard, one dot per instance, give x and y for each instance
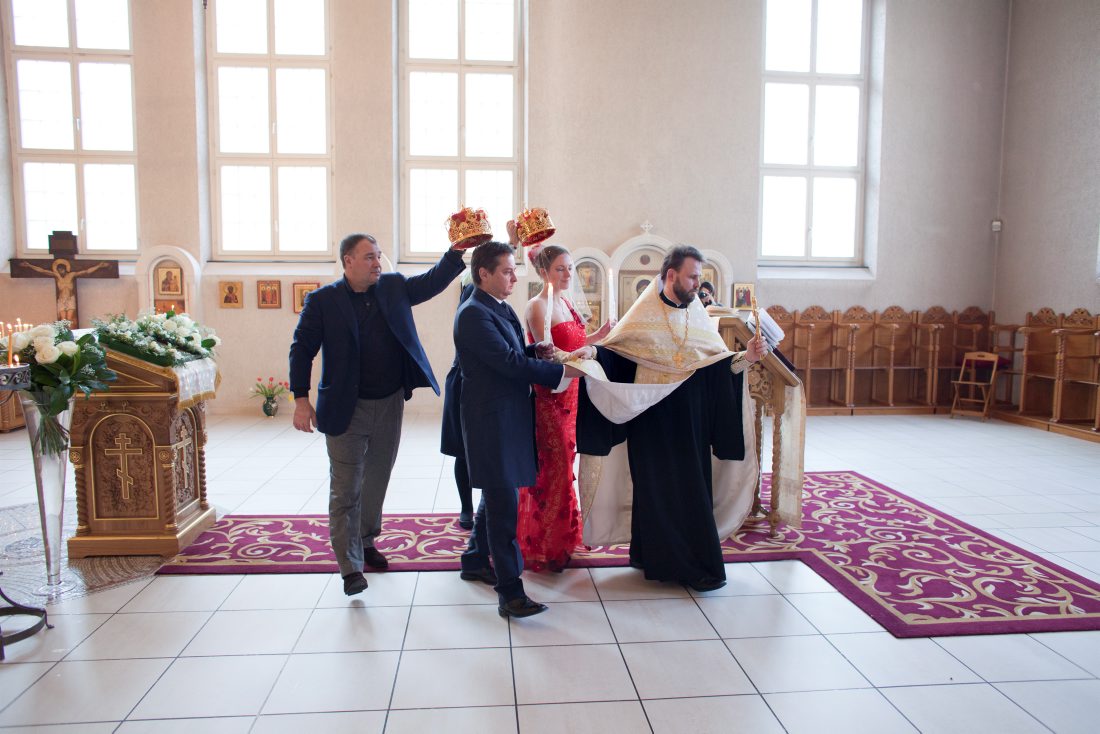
(684, 296)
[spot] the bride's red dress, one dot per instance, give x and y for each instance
(549, 526)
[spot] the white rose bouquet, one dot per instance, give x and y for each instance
(61, 366)
(165, 339)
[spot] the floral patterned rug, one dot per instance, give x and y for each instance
(915, 570)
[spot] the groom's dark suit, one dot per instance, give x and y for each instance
(498, 427)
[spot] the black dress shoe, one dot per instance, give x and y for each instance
(355, 583)
(707, 583)
(466, 520)
(525, 606)
(484, 575)
(374, 559)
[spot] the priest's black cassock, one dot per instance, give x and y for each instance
(669, 446)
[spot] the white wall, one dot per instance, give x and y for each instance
(1051, 197)
(647, 109)
(651, 110)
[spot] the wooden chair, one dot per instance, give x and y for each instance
(1039, 363)
(971, 327)
(974, 388)
(815, 355)
(1077, 370)
(909, 352)
(859, 353)
(941, 340)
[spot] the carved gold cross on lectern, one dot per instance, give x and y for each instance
(123, 452)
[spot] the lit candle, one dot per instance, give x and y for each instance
(549, 312)
(11, 344)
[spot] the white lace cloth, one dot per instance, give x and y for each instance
(197, 380)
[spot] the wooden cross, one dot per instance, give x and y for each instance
(124, 452)
(64, 268)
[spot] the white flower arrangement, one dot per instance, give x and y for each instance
(166, 339)
(61, 366)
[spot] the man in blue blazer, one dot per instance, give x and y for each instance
(498, 422)
(371, 361)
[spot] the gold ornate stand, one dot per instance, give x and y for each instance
(768, 380)
(140, 461)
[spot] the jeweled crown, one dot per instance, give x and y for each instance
(468, 228)
(533, 225)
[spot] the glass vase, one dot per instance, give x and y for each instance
(49, 437)
(271, 407)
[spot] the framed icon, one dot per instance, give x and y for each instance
(269, 294)
(169, 280)
(231, 294)
(301, 290)
(742, 295)
(588, 275)
(631, 286)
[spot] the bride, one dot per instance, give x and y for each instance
(549, 526)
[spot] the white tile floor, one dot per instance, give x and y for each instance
(777, 650)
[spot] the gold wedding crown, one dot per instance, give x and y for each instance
(533, 225)
(468, 228)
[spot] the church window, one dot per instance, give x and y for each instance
(814, 132)
(461, 116)
(271, 138)
(71, 96)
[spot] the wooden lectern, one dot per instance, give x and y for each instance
(139, 454)
(777, 391)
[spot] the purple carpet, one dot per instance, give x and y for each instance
(915, 570)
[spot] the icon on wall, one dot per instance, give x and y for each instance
(231, 293)
(742, 295)
(301, 290)
(588, 275)
(269, 293)
(169, 280)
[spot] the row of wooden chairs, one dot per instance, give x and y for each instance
(858, 360)
(1055, 372)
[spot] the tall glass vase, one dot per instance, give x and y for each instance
(49, 437)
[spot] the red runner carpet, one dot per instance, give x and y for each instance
(915, 570)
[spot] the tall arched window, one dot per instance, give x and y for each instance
(461, 116)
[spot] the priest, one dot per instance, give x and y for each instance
(663, 441)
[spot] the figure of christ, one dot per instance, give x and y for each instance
(62, 272)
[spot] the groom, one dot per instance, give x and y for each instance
(498, 422)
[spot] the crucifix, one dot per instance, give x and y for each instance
(64, 268)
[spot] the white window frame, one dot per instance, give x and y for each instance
(77, 156)
(809, 171)
(273, 159)
(460, 162)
